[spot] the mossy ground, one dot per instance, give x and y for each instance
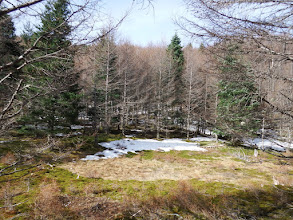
(230, 183)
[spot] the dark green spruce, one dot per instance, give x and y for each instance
(238, 109)
(56, 85)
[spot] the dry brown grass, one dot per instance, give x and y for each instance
(172, 159)
(8, 192)
(226, 169)
(48, 203)
(95, 208)
(184, 202)
(51, 204)
(8, 158)
(132, 169)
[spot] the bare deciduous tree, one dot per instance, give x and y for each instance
(264, 31)
(82, 18)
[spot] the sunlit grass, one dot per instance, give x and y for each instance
(218, 184)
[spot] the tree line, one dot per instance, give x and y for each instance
(148, 87)
(262, 31)
(234, 84)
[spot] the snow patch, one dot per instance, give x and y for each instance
(136, 130)
(121, 147)
(268, 144)
(60, 135)
(200, 138)
(130, 135)
(76, 127)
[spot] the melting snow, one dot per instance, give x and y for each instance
(199, 138)
(121, 147)
(268, 144)
(76, 127)
(136, 130)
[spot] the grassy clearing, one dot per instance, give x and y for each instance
(222, 183)
(227, 165)
(59, 194)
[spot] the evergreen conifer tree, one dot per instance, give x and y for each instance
(177, 67)
(9, 50)
(57, 83)
(238, 100)
(9, 47)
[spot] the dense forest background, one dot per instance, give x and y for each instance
(67, 85)
(233, 87)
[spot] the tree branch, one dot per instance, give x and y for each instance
(17, 7)
(11, 100)
(277, 108)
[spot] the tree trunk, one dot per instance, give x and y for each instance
(95, 119)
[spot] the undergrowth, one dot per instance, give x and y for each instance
(53, 193)
(42, 191)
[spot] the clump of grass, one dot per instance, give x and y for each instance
(130, 155)
(197, 155)
(177, 156)
(187, 202)
(170, 157)
(184, 202)
(103, 137)
(204, 143)
(8, 158)
(15, 146)
(48, 203)
(147, 154)
(77, 196)
(207, 195)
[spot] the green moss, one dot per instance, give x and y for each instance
(176, 155)
(212, 188)
(225, 149)
(108, 188)
(190, 141)
(109, 137)
(66, 179)
(260, 203)
(147, 154)
(130, 155)
(247, 151)
(14, 146)
(204, 143)
(237, 159)
(264, 202)
(256, 173)
(254, 202)
(197, 155)
(79, 146)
